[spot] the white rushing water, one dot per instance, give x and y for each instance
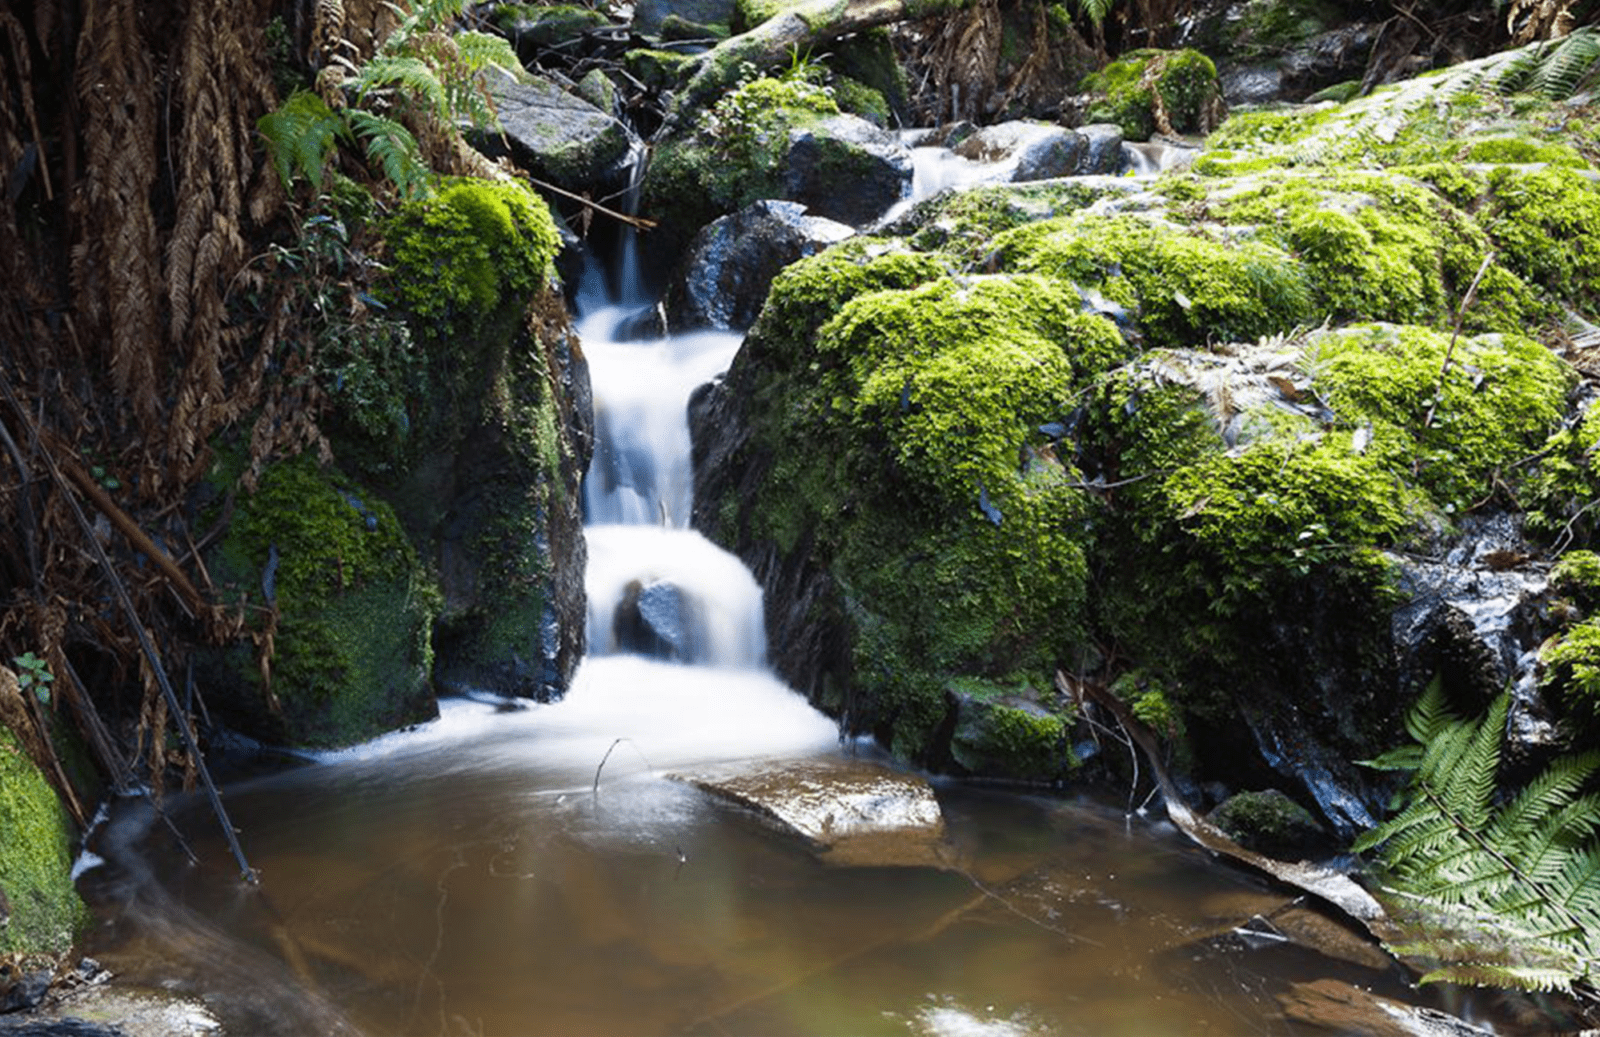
(715, 699)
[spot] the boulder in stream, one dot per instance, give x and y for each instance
(657, 618)
(847, 811)
(1024, 150)
(558, 136)
(723, 281)
(846, 169)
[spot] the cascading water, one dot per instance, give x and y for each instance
(657, 588)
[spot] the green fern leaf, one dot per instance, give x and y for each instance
(302, 136)
(409, 75)
(1497, 891)
(395, 150)
(1564, 66)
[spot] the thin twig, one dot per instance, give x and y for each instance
(1455, 333)
(185, 731)
(635, 221)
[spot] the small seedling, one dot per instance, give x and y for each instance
(34, 673)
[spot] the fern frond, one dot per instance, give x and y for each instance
(394, 149)
(481, 50)
(302, 135)
(1563, 67)
(1500, 893)
(411, 75)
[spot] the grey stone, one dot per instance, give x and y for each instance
(1029, 150)
(852, 812)
(1104, 153)
(557, 136)
(723, 281)
(846, 169)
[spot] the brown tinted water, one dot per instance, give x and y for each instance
(472, 878)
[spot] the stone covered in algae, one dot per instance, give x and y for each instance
(323, 567)
(40, 911)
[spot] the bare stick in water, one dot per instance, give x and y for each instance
(607, 756)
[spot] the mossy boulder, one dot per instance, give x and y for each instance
(501, 435)
(1005, 732)
(40, 911)
(484, 432)
(558, 136)
(771, 138)
(338, 602)
(535, 27)
(1149, 91)
(1086, 427)
(1270, 822)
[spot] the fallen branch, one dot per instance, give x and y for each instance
(1327, 885)
(174, 708)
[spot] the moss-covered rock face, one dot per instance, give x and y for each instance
(351, 611)
(1044, 417)
(1146, 91)
(495, 403)
(732, 157)
(40, 911)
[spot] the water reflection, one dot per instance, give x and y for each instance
(474, 878)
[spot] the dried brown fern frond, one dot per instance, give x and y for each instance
(115, 255)
(19, 69)
(1530, 20)
(965, 60)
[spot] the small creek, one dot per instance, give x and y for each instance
(533, 869)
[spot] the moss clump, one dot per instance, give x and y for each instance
(1546, 223)
(1001, 732)
(1146, 90)
(1576, 575)
(1572, 675)
(1269, 822)
(1183, 288)
(658, 69)
(1494, 403)
(353, 609)
(733, 156)
(45, 912)
(962, 224)
(538, 25)
(462, 253)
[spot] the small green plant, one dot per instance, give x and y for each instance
(1499, 888)
(419, 69)
(33, 674)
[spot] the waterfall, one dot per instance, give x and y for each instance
(677, 642)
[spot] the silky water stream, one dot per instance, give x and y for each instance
(485, 874)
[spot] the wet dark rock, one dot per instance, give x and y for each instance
(1029, 150)
(109, 1010)
(1271, 823)
(1473, 616)
(1334, 1006)
(723, 281)
(1251, 84)
(1331, 57)
(849, 812)
(557, 136)
(650, 16)
(846, 169)
(21, 992)
(64, 1027)
(656, 619)
(1103, 155)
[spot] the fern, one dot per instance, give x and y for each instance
(1095, 10)
(1564, 66)
(384, 75)
(1499, 891)
(303, 134)
(395, 150)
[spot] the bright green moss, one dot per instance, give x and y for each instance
(961, 224)
(457, 255)
(1572, 674)
(1576, 575)
(1186, 289)
(1546, 223)
(1512, 150)
(354, 610)
(807, 293)
(1496, 401)
(1126, 92)
(36, 839)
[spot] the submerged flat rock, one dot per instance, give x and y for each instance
(852, 812)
